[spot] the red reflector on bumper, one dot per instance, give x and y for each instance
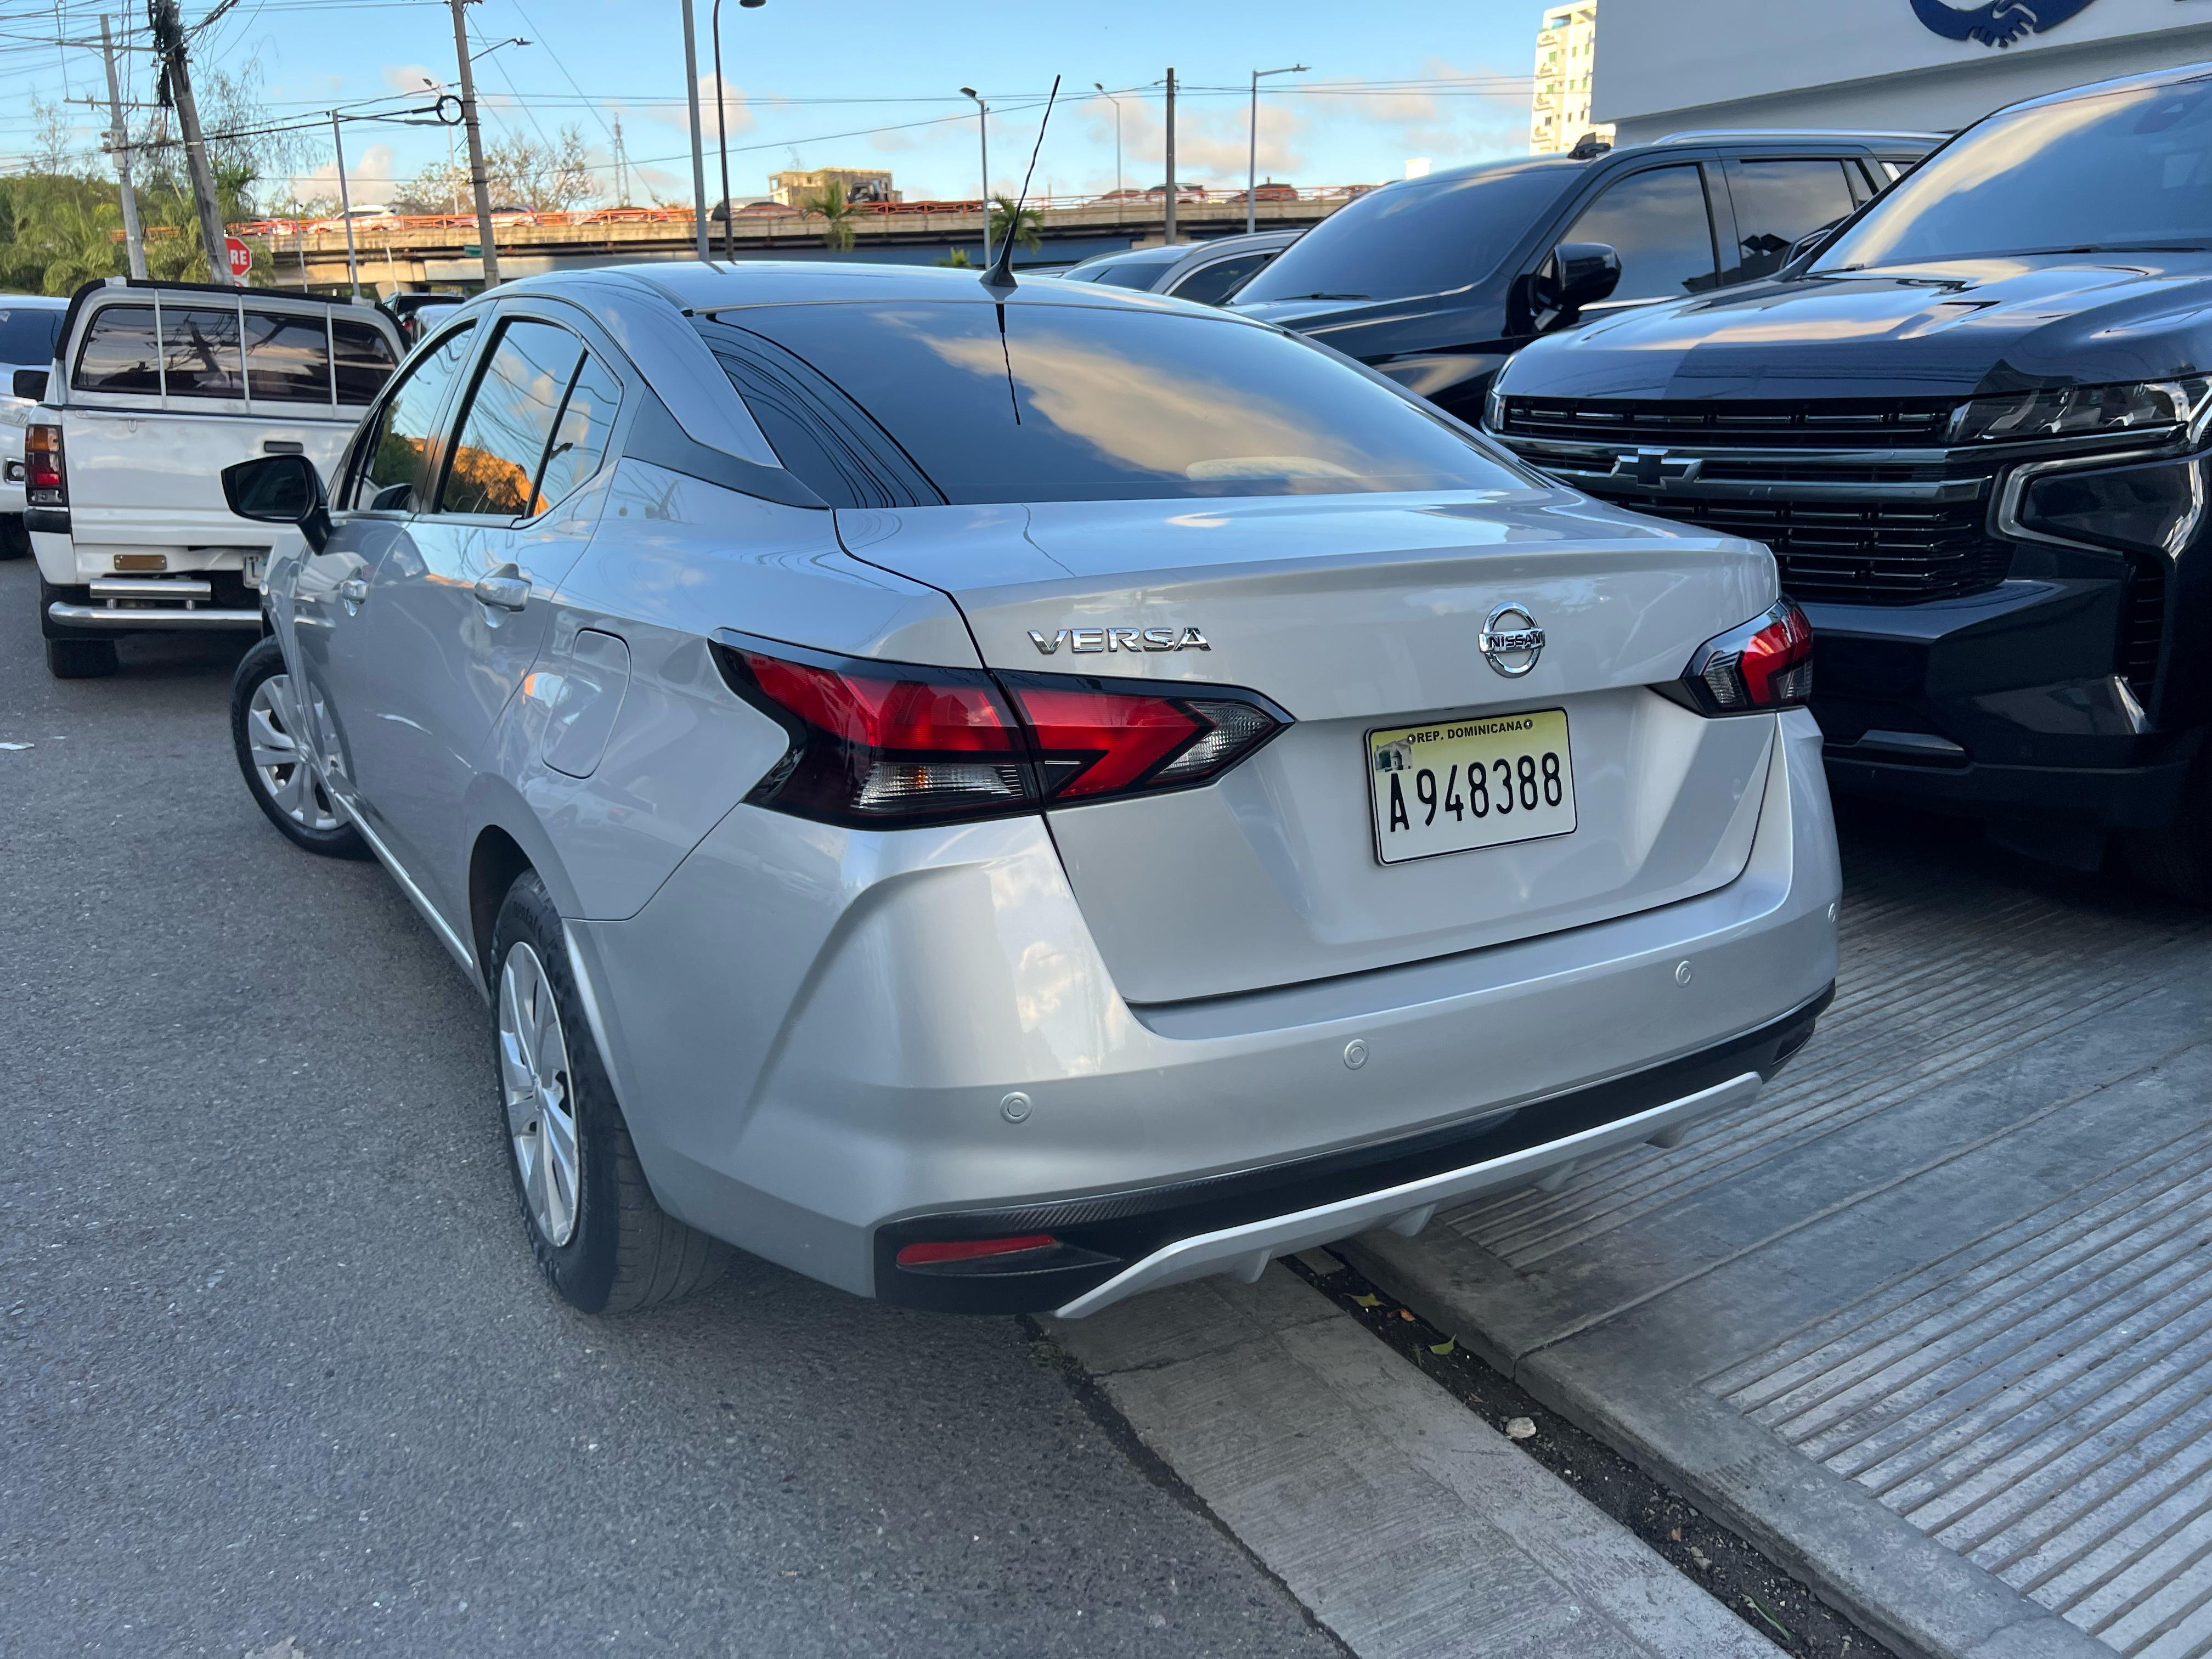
(968, 1249)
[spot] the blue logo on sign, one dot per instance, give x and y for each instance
(1999, 23)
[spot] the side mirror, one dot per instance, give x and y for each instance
(31, 383)
(1573, 275)
(280, 489)
(1811, 243)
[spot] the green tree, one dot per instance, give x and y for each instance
(70, 238)
(836, 213)
(1023, 223)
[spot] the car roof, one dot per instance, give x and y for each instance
(2165, 77)
(1677, 149)
(35, 301)
(694, 285)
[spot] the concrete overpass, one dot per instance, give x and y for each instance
(405, 255)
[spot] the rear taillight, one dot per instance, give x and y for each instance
(899, 744)
(1766, 663)
(45, 482)
(971, 1249)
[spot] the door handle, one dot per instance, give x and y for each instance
(503, 589)
(355, 592)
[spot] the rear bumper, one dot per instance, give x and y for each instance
(150, 618)
(1999, 704)
(1237, 1224)
(933, 1042)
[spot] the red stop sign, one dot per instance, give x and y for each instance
(241, 259)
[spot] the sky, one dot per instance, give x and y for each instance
(864, 83)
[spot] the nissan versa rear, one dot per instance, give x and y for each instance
(998, 799)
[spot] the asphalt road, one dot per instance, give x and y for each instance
(274, 1359)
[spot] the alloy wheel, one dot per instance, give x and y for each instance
(540, 1111)
(279, 763)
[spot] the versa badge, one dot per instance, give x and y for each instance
(1085, 641)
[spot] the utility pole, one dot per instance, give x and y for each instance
(621, 168)
(177, 85)
(1168, 232)
(346, 207)
(120, 142)
(1252, 156)
(476, 182)
(698, 144)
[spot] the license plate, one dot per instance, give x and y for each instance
(1463, 784)
(256, 564)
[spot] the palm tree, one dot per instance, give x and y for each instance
(70, 239)
(957, 260)
(1023, 223)
(835, 213)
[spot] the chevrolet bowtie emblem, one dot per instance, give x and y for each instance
(1652, 467)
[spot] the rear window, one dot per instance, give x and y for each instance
(199, 351)
(288, 358)
(27, 333)
(365, 361)
(1077, 402)
(121, 352)
(1424, 237)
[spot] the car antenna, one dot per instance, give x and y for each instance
(1000, 279)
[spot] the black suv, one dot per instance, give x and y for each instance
(1435, 281)
(1971, 425)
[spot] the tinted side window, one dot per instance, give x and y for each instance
(120, 353)
(1778, 201)
(1658, 223)
(399, 433)
(580, 437)
(1216, 282)
(365, 361)
(288, 358)
(1135, 273)
(199, 351)
(503, 435)
(26, 334)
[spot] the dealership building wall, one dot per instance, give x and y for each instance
(1664, 66)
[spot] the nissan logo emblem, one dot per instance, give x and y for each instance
(1510, 641)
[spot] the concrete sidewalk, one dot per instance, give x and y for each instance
(1408, 1526)
(1927, 1322)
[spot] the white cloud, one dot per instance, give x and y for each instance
(413, 78)
(1212, 145)
(731, 107)
(368, 178)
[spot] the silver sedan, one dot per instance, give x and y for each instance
(1000, 798)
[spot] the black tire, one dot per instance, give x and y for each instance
(80, 660)
(337, 840)
(625, 1253)
(2177, 860)
(14, 540)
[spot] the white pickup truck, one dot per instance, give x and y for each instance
(155, 388)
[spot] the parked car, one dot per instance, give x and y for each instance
(1206, 273)
(416, 312)
(1436, 281)
(28, 324)
(1972, 428)
(156, 385)
(1270, 191)
(1001, 800)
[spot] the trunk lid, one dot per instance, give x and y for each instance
(1357, 614)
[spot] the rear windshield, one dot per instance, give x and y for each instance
(2118, 170)
(1424, 237)
(27, 333)
(1078, 403)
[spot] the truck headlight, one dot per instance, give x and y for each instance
(2151, 407)
(2154, 506)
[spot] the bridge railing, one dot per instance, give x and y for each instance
(1135, 204)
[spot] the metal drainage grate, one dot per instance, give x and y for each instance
(2039, 1400)
(1939, 978)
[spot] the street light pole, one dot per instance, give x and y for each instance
(1116, 102)
(722, 129)
(698, 149)
(1252, 157)
(346, 207)
(983, 127)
